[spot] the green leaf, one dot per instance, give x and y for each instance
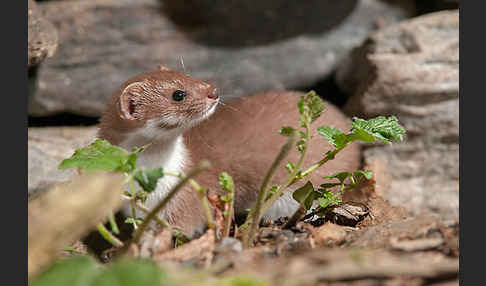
(132, 272)
(316, 106)
(290, 167)
(226, 182)
(306, 195)
(101, 155)
(360, 174)
(310, 108)
(333, 135)
(303, 192)
(226, 198)
(300, 145)
(286, 131)
(327, 199)
(380, 128)
(341, 176)
(300, 105)
(271, 191)
(323, 202)
(130, 220)
(77, 270)
(148, 178)
(180, 238)
(361, 135)
(328, 185)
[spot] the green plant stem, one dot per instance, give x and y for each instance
(299, 213)
(194, 172)
(292, 176)
(205, 203)
(328, 157)
(133, 201)
(229, 215)
(114, 226)
(204, 199)
(146, 210)
(256, 212)
(108, 236)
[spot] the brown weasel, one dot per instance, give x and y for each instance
(174, 112)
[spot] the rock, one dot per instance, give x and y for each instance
(328, 234)
(229, 245)
(384, 235)
(42, 36)
(47, 147)
(411, 70)
(104, 42)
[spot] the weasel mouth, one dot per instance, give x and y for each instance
(168, 126)
(210, 111)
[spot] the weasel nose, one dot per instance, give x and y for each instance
(214, 94)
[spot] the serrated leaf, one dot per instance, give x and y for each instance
(77, 270)
(310, 108)
(333, 135)
(132, 272)
(286, 131)
(341, 176)
(148, 178)
(323, 202)
(316, 106)
(226, 182)
(381, 128)
(300, 105)
(361, 135)
(101, 155)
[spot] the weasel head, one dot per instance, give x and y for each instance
(163, 102)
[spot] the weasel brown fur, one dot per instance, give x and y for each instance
(241, 138)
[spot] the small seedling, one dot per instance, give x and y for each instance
(102, 156)
(311, 107)
(226, 183)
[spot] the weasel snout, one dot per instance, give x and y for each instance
(214, 94)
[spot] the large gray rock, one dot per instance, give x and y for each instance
(42, 36)
(47, 147)
(411, 70)
(104, 42)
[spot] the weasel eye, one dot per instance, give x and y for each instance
(179, 95)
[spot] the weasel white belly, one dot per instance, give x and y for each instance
(171, 156)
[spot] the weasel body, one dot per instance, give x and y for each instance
(241, 138)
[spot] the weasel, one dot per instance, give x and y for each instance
(178, 114)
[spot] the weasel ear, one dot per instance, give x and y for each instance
(128, 102)
(162, 68)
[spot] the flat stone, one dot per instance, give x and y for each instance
(411, 70)
(42, 36)
(104, 42)
(47, 147)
